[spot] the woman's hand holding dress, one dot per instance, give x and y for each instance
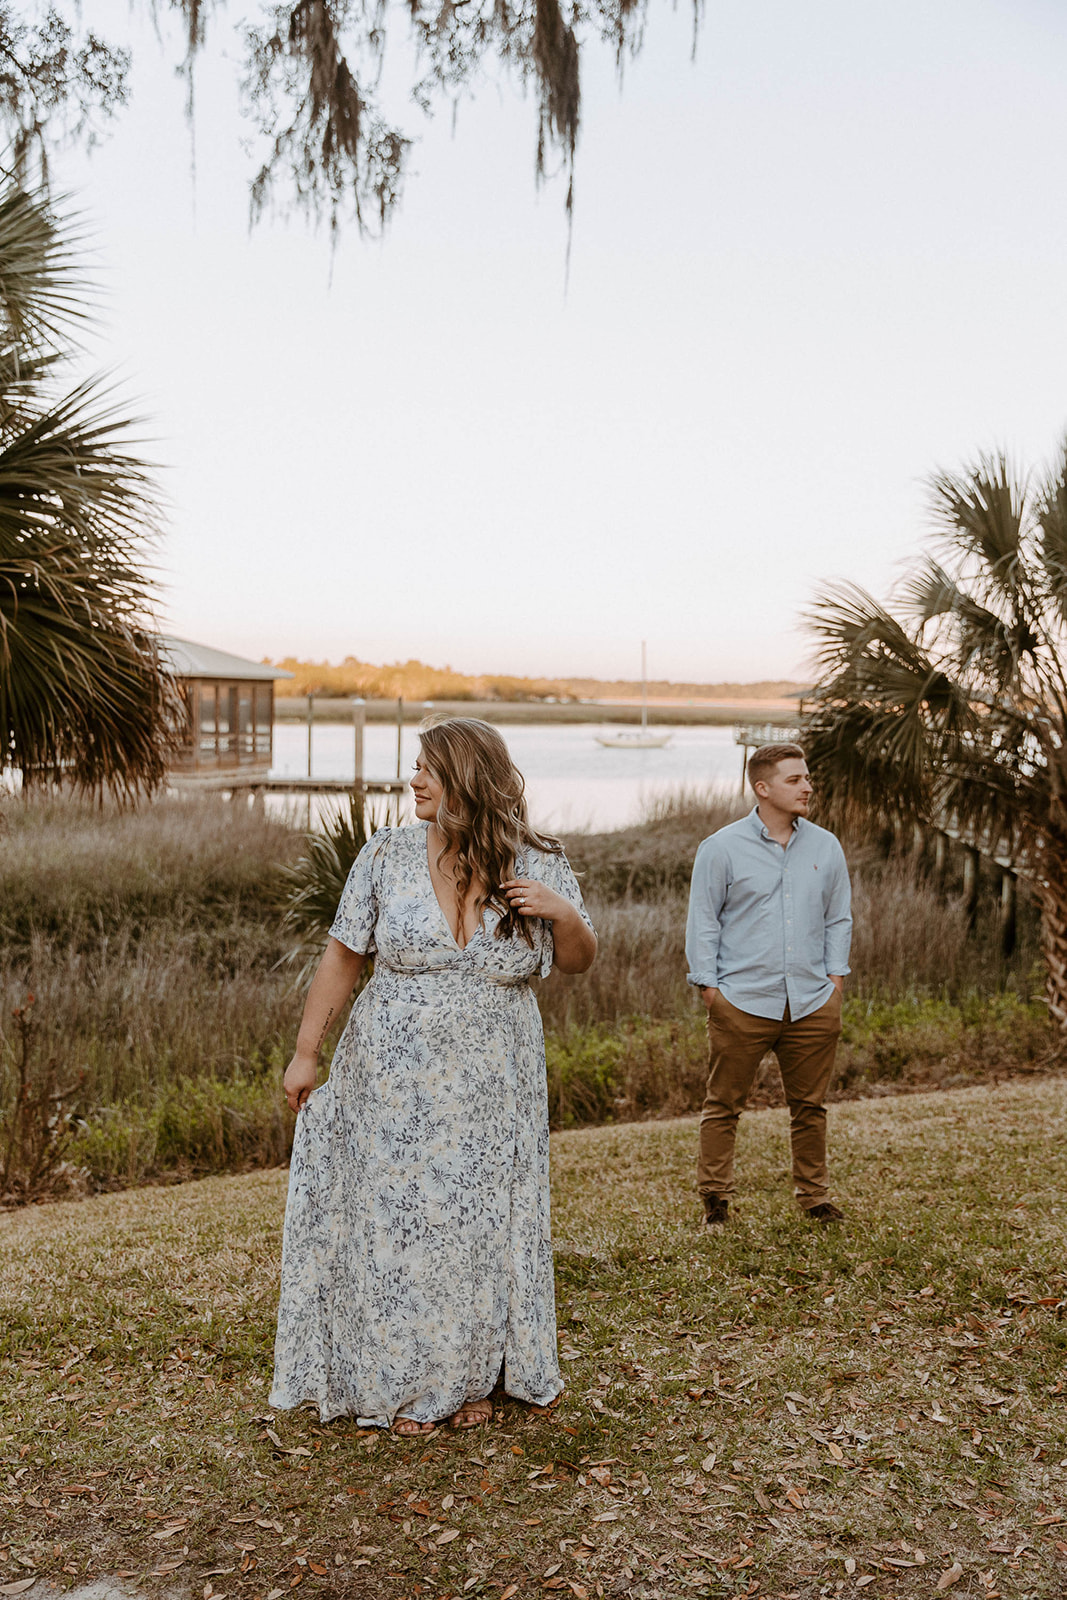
(301, 1075)
(334, 981)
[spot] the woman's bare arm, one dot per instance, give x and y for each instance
(574, 942)
(331, 988)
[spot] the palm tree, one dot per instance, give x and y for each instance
(83, 695)
(949, 706)
(314, 883)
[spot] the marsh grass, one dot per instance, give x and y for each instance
(76, 872)
(773, 1409)
(154, 943)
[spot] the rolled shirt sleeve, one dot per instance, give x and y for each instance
(703, 929)
(838, 926)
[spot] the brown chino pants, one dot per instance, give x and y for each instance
(805, 1050)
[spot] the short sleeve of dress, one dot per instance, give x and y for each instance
(357, 911)
(556, 873)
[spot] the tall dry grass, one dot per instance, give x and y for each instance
(153, 942)
(75, 871)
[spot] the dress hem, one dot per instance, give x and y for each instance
(291, 1404)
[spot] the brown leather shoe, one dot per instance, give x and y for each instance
(825, 1213)
(716, 1210)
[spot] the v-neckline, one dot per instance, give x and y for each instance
(437, 898)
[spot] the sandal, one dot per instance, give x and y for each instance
(407, 1427)
(473, 1414)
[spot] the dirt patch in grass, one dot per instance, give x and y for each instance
(772, 1410)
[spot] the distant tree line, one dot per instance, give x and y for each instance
(413, 680)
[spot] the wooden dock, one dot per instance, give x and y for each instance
(239, 784)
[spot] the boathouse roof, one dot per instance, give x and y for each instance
(186, 659)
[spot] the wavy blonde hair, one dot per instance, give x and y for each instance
(482, 815)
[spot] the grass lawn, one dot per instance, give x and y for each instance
(774, 1410)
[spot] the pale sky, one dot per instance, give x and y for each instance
(825, 258)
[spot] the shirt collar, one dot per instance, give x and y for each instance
(758, 826)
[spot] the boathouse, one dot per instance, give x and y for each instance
(229, 710)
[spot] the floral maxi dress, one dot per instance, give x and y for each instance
(417, 1257)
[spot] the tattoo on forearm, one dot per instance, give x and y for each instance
(325, 1028)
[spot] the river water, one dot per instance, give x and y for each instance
(571, 781)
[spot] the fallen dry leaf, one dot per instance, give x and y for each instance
(947, 1579)
(17, 1588)
(506, 1594)
(447, 1537)
(316, 1567)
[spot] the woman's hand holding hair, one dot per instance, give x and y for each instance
(532, 899)
(574, 941)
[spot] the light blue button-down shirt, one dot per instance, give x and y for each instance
(766, 925)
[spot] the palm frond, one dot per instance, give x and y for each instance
(848, 621)
(43, 297)
(983, 645)
(931, 592)
(1052, 536)
(982, 512)
(83, 694)
(73, 465)
(882, 713)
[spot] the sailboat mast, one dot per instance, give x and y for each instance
(644, 687)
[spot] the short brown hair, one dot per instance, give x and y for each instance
(762, 762)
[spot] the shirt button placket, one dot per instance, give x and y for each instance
(788, 903)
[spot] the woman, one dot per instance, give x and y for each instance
(417, 1262)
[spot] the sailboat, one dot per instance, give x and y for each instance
(638, 738)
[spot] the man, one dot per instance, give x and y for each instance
(767, 944)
